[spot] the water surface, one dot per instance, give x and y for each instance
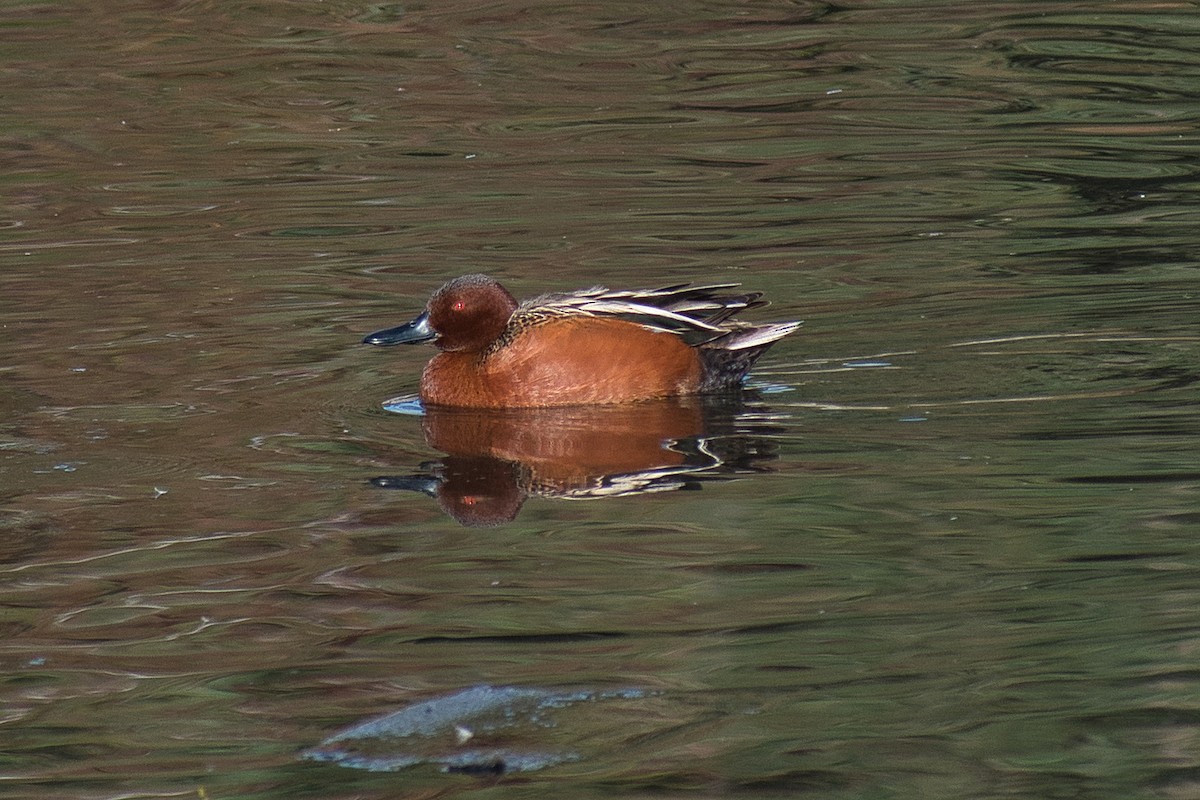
(948, 549)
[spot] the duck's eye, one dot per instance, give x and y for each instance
(458, 305)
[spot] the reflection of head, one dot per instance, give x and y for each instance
(477, 491)
(480, 492)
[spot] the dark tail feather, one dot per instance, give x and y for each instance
(726, 360)
(725, 369)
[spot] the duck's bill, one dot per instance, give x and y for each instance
(410, 333)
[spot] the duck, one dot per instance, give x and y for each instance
(586, 347)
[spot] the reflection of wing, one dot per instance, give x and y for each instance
(658, 479)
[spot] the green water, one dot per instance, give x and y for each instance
(950, 551)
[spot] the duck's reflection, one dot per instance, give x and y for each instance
(495, 460)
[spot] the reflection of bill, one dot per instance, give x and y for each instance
(496, 459)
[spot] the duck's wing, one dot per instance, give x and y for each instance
(694, 313)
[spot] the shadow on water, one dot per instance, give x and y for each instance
(496, 459)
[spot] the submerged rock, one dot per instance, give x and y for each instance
(499, 722)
